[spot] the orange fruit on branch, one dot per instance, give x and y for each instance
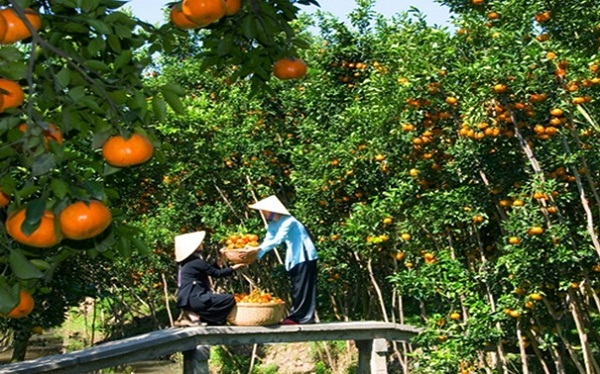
(232, 7)
(289, 68)
(16, 29)
(4, 199)
(24, 307)
(11, 94)
(84, 220)
(52, 133)
(121, 152)
(203, 12)
(45, 235)
(535, 230)
(178, 19)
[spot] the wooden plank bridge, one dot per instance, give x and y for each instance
(370, 337)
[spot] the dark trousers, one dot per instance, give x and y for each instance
(304, 292)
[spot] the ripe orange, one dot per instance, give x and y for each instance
(535, 230)
(500, 88)
(536, 296)
(387, 221)
(4, 199)
(400, 256)
(52, 133)
(493, 15)
(289, 68)
(11, 93)
(15, 27)
(451, 100)
(121, 152)
(405, 236)
(82, 220)
(46, 235)
(178, 19)
(542, 17)
(556, 112)
(514, 240)
(203, 12)
(455, 316)
(232, 7)
(24, 307)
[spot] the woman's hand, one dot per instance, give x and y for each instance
(238, 266)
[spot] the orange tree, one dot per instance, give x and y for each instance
(447, 177)
(74, 107)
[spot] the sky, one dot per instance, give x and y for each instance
(151, 10)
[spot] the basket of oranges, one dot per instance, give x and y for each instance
(235, 248)
(258, 308)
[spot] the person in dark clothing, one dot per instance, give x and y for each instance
(300, 257)
(195, 298)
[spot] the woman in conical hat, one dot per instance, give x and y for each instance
(300, 257)
(195, 297)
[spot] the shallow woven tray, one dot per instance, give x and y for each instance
(233, 255)
(256, 314)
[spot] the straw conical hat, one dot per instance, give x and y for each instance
(271, 204)
(187, 244)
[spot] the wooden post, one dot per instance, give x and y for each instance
(364, 356)
(379, 357)
(195, 361)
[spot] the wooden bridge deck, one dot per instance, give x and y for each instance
(370, 337)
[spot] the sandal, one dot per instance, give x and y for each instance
(188, 319)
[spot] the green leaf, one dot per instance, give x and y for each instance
(174, 88)
(141, 246)
(114, 43)
(59, 187)
(123, 59)
(77, 93)
(96, 65)
(43, 164)
(99, 26)
(21, 267)
(63, 78)
(41, 264)
(174, 102)
(160, 108)
(9, 297)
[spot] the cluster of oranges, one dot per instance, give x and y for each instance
(238, 241)
(79, 220)
(257, 296)
(195, 14)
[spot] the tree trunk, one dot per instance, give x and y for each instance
(20, 342)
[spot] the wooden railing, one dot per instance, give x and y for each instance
(371, 339)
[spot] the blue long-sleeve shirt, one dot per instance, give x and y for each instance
(299, 246)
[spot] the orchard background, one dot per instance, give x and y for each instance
(449, 177)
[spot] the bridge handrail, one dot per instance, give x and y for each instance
(172, 340)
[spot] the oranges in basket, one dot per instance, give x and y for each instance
(235, 248)
(257, 296)
(258, 308)
(239, 241)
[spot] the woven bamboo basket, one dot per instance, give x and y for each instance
(256, 314)
(234, 256)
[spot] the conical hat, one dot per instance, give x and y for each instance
(271, 204)
(186, 244)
